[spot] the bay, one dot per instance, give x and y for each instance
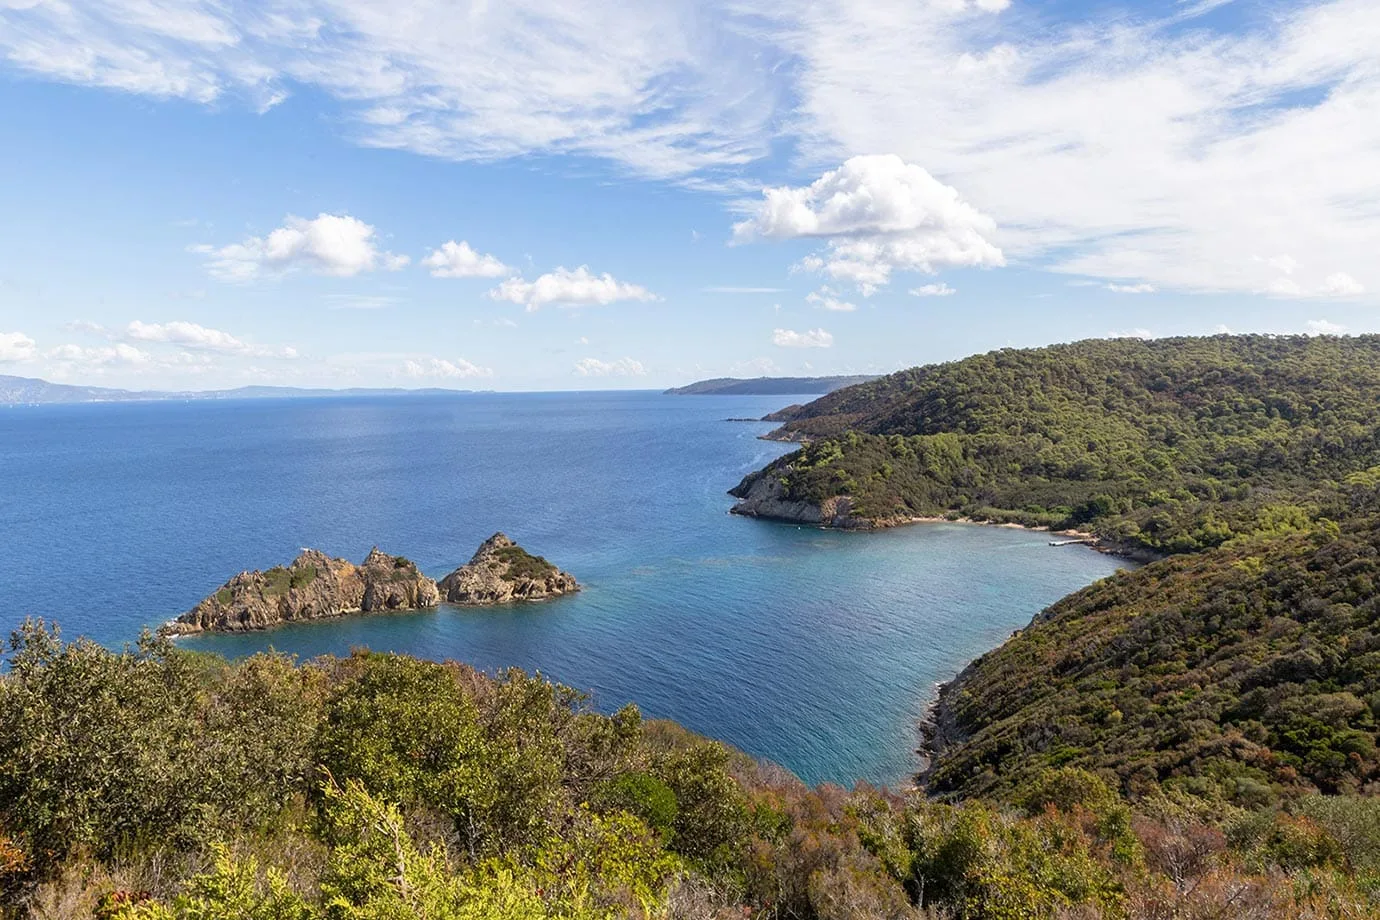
(815, 649)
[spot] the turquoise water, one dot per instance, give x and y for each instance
(815, 649)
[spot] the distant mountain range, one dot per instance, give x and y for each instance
(27, 391)
(768, 386)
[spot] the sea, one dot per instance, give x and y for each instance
(815, 649)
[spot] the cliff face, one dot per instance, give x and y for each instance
(502, 572)
(762, 495)
(314, 586)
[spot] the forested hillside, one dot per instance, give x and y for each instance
(1247, 675)
(1239, 676)
(156, 784)
(1171, 445)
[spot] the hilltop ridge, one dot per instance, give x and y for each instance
(768, 386)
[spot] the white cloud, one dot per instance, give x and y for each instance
(1283, 287)
(667, 90)
(754, 367)
(442, 369)
(119, 354)
(933, 290)
(622, 367)
(192, 335)
(15, 346)
(826, 300)
(811, 338)
(1323, 327)
(1341, 285)
(1131, 288)
(1282, 263)
(361, 301)
(1122, 147)
(742, 290)
(183, 333)
(878, 214)
(458, 260)
(566, 288)
(1337, 284)
(1118, 147)
(1131, 334)
(329, 244)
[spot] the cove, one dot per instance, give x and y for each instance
(815, 649)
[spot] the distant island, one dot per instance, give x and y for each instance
(768, 386)
(315, 586)
(32, 391)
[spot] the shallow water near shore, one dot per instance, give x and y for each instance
(816, 649)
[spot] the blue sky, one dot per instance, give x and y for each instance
(205, 194)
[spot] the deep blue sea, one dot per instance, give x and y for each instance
(815, 649)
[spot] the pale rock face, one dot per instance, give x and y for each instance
(314, 586)
(501, 572)
(762, 495)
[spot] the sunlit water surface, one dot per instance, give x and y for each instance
(815, 649)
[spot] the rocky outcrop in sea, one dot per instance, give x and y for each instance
(502, 572)
(762, 495)
(313, 587)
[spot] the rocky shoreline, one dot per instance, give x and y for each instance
(316, 586)
(762, 496)
(939, 727)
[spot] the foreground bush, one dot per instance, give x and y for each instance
(154, 784)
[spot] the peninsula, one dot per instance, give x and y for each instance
(1156, 447)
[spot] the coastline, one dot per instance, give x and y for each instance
(1137, 554)
(1103, 545)
(938, 727)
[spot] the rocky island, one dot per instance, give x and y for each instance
(502, 572)
(313, 587)
(316, 586)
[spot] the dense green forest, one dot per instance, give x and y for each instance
(157, 784)
(1249, 674)
(1171, 445)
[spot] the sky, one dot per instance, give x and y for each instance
(582, 194)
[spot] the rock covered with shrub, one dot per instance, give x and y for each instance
(313, 587)
(502, 572)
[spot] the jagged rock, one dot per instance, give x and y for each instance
(502, 572)
(313, 587)
(762, 495)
